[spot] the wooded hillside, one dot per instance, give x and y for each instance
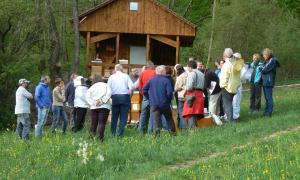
(36, 37)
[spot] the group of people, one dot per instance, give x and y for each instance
(194, 87)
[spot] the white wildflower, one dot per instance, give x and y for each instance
(100, 157)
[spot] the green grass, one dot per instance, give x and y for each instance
(139, 156)
(277, 158)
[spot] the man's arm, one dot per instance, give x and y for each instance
(146, 89)
(28, 95)
(269, 67)
(37, 95)
(141, 82)
(225, 74)
(107, 96)
(169, 90)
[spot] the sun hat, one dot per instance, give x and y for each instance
(21, 81)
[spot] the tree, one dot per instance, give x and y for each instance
(54, 59)
(76, 37)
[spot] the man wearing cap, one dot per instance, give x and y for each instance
(42, 98)
(22, 109)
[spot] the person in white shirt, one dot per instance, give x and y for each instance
(98, 97)
(80, 103)
(121, 87)
(22, 109)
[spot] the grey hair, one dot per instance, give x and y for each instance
(118, 67)
(228, 52)
(159, 69)
(268, 51)
(150, 64)
(43, 78)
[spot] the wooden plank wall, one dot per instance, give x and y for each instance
(149, 19)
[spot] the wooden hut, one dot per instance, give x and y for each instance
(133, 30)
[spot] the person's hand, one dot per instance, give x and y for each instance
(98, 103)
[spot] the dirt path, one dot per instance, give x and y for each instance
(191, 163)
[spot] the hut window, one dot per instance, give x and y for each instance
(133, 6)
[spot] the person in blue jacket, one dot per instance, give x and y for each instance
(42, 98)
(268, 77)
(159, 91)
(255, 84)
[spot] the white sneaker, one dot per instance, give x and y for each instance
(217, 120)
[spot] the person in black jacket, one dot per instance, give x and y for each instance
(268, 77)
(213, 87)
(70, 96)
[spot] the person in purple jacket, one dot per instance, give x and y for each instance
(42, 98)
(159, 91)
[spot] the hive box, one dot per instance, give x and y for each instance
(204, 122)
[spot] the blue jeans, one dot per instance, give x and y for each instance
(23, 126)
(165, 124)
(268, 92)
(120, 109)
(42, 117)
(145, 115)
(59, 111)
(151, 124)
(182, 122)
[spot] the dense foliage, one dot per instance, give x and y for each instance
(246, 26)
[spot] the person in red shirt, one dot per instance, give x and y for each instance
(145, 76)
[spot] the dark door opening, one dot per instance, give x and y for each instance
(162, 54)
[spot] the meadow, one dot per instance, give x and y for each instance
(242, 150)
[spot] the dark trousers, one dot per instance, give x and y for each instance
(79, 118)
(120, 109)
(268, 93)
(99, 116)
(227, 103)
(157, 114)
(255, 97)
(221, 106)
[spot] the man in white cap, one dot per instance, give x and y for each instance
(237, 98)
(22, 109)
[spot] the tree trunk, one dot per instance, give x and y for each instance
(54, 59)
(76, 37)
(171, 3)
(212, 33)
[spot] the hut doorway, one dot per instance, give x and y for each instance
(162, 54)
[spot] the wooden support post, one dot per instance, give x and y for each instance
(93, 57)
(87, 53)
(117, 47)
(148, 48)
(177, 49)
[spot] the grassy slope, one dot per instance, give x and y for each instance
(137, 155)
(277, 158)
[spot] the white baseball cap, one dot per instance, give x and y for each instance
(21, 81)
